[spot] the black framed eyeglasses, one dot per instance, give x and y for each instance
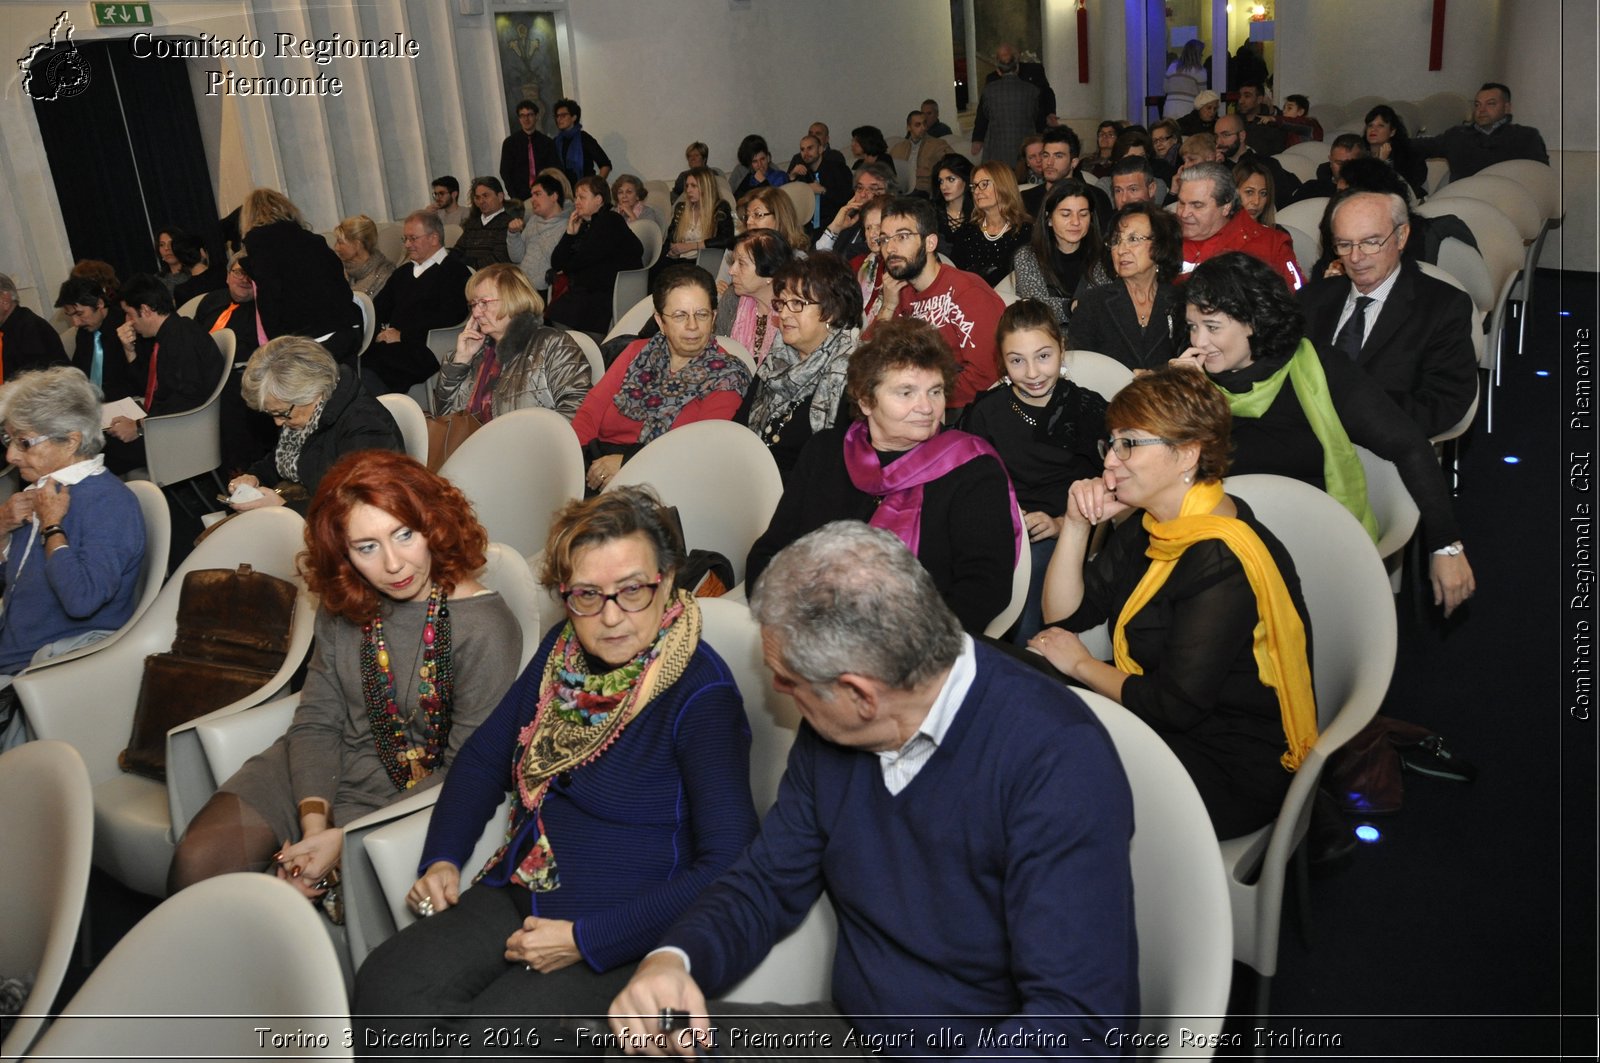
(1123, 448)
(630, 598)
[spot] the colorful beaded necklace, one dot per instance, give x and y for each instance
(406, 764)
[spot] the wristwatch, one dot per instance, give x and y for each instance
(1454, 549)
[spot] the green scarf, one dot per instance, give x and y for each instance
(1342, 474)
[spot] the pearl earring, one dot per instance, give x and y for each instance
(1188, 478)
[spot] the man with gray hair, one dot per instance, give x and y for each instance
(1409, 331)
(427, 291)
(1213, 222)
(27, 341)
(967, 817)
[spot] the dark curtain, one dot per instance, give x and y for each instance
(127, 159)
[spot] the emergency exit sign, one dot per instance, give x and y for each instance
(122, 15)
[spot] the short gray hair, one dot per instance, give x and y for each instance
(1223, 191)
(55, 403)
(851, 598)
(7, 285)
(290, 369)
(1399, 213)
(430, 222)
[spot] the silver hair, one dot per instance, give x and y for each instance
(289, 369)
(1223, 190)
(1399, 213)
(430, 222)
(7, 285)
(852, 598)
(55, 403)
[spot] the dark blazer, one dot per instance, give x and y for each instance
(31, 342)
(415, 306)
(1419, 349)
(187, 366)
(1105, 321)
(514, 160)
(602, 247)
(117, 377)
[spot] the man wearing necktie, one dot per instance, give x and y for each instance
(175, 365)
(96, 352)
(525, 152)
(1409, 331)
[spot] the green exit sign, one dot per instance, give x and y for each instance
(122, 15)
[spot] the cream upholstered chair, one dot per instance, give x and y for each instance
(591, 352)
(738, 350)
(517, 471)
(1315, 150)
(1302, 165)
(44, 874)
(1180, 890)
(1021, 574)
(1307, 247)
(89, 703)
(391, 240)
(188, 310)
(369, 318)
(181, 446)
(1305, 215)
(413, 425)
(721, 478)
(1353, 623)
(1099, 373)
(181, 984)
(649, 234)
(633, 319)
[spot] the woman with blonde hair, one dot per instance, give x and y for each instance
(701, 219)
(999, 226)
(300, 284)
(771, 208)
(507, 358)
(355, 241)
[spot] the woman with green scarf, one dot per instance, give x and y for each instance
(626, 753)
(1210, 634)
(1300, 413)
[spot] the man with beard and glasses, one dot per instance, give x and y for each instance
(960, 305)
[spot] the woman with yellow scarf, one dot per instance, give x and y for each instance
(1211, 638)
(626, 753)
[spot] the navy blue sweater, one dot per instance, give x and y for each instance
(996, 884)
(638, 833)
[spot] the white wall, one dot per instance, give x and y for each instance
(652, 78)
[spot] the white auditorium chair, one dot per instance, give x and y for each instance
(196, 978)
(517, 471)
(181, 446)
(633, 319)
(591, 353)
(1098, 372)
(413, 425)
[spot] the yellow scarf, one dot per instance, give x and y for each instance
(1279, 637)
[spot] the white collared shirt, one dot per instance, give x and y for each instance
(1378, 295)
(419, 268)
(901, 765)
(487, 218)
(72, 474)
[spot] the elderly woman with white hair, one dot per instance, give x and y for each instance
(76, 539)
(322, 412)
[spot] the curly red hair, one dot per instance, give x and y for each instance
(406, 490)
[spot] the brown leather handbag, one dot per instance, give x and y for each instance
(233, 636)
(446, 433)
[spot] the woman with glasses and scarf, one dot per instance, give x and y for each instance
(580, 154)
(678, 376)
(629, 769)
(323, 413)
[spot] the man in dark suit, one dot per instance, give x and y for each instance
(175, 365)
(1410, 332)
(428, 291)
(525, 152)
(823, 166)
(27, 341)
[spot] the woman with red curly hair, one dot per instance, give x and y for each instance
(411, 654)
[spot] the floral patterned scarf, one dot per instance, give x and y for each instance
(654, 396)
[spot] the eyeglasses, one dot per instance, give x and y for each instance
(280, 415)
(681, 317)
(630, 598)
(755, 215)
(1123, 448)
(901, 237)
(563, 114)
(793, 306)
(476, 303)
(982, 185)
(410, 239)
(25, 443)
(1132, 240)
(1370, 246)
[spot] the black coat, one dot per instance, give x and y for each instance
(301, 288)
(1419, 350)
(31, 342)
(1105, 321)
(351, 420)
(591, 258)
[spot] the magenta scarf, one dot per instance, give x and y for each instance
(899, 484)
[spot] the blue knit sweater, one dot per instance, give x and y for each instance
(638, 833)
(996, 884)
(89, 585)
